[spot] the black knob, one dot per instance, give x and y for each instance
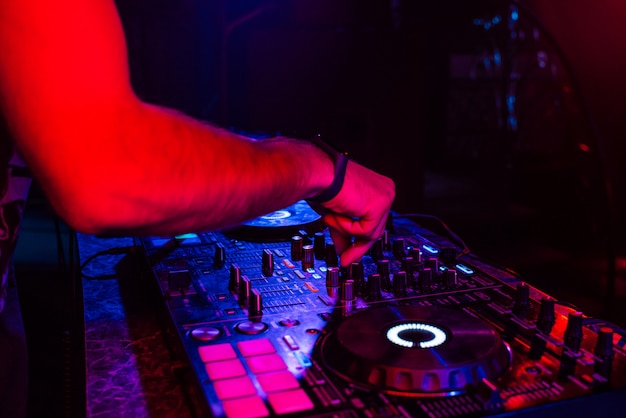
(416, 254)
(377, 250)
(450, 279)
(604, 344)
(382, 268)
(255, 303)
(425, 280)
(319, 243)
(447, 255)
(604, 350)
(521, 304)
(245, 287)
(235, 278)
(574, 331)
(219, 257)
(296, 248)
(373, 286)
(433, 265)
(347, 290)
(399, 250)
(399, 284)
(332, 281)
(546, 318)
(308, 257)
(331, 255)
(407, 266)
(386, 242)
(357, 275)
(267, 264)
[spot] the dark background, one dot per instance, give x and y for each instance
(502, 118)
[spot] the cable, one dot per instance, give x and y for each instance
(111, 251)
(464, 248)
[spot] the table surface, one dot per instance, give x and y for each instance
(130, 371)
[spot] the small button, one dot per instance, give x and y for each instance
(291, 342)
(312, 287)
(216, 352)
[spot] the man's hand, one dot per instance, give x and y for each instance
(357, 216)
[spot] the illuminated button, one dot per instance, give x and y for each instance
(430, 249)
(291, 342)
(256, 347)
(216, 352)
(234, 388)
(290, 401)
(275, 382)
(312, 287)
(464, 269)
(251, 407)
(299, 274)
(302, 359)
(266, 363)
(225, 369)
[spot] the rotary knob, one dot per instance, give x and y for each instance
(399, 284)
(296, 248)
(319, 244)
(332, 282)
(308, 257)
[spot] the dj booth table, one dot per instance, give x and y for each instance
(129, 370)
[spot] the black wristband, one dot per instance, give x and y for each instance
(341, 164)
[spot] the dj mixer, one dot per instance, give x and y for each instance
(268, 324)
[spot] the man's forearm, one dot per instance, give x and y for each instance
(164, 172)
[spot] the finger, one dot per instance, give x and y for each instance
(351, 227)
(355, 252)
(342, 242)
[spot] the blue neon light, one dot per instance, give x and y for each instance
(464, 269)
(430, 249)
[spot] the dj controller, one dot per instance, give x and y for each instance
(270, 325)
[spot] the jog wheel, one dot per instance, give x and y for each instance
(414, 351)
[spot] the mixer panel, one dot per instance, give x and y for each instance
(418, 328)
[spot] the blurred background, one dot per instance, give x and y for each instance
(504, 119)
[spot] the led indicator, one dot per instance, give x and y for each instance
(464, 269)
(437, 335)
(430, 249)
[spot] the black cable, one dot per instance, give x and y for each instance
(111, 251)
(451, 234)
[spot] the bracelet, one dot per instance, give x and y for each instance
(341, 164)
